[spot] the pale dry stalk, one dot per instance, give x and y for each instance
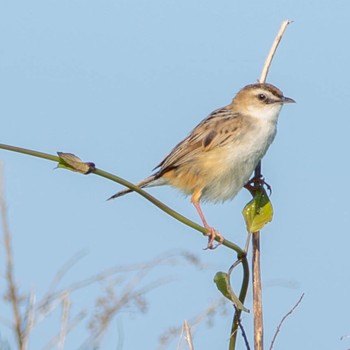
(256, 275)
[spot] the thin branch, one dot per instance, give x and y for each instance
(66, 304)
(103, 275)
(284, 318)
(173, 332)
(29, 317)
(12, 293)
(140, 191)
(188, 335)
(60, 274)
(72, 324)
(273, 49)
(109, 307)
(257, 295)
(242, 296)
(244, 334)
(30, 152)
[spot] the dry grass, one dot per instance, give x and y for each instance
(121, 288)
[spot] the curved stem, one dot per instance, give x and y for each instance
(242, 296)
(165, 208)
(136, 189)
(150, 198)
(273, 49)
(30, 152)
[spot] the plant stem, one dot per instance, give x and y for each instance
(240, 252)
(165, 208)
(257, 294)
(30, 152)
(12, 293)
(242, 296)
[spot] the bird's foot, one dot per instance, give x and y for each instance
(212, 235)
(255, 183)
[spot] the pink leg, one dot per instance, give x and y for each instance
(212, 233)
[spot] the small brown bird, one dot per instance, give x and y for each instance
(218, 157)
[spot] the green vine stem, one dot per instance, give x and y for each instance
(30, 152)
(240, 252)
(242, 296)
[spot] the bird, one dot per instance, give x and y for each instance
(217, 158)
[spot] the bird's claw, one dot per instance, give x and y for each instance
(212, 235)
(257, 182)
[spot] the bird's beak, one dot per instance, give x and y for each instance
(287, 100)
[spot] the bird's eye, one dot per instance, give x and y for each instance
(262, 97)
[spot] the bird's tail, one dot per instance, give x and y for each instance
(148, 182)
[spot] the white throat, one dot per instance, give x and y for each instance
(270, 112)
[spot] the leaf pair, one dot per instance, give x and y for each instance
(257, 213)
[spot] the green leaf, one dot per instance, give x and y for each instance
(222, 281)
(258, 212)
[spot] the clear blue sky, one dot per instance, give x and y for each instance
(119, 83)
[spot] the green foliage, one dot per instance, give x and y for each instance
(222, 281)
(258, 212)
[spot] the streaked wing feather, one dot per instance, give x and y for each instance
(219, 128)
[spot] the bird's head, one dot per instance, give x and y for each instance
(263, 101)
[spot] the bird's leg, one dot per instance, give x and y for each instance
(255, 183)
(212, 233)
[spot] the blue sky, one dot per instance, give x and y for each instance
(119, 83)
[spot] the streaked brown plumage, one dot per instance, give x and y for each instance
(217, 158)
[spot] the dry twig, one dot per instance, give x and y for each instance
(12, 290)
(66, 303)
(207, 315)
(188, 335)
(283, 319)
(244, 334)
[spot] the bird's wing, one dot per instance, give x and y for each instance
(219, 128)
